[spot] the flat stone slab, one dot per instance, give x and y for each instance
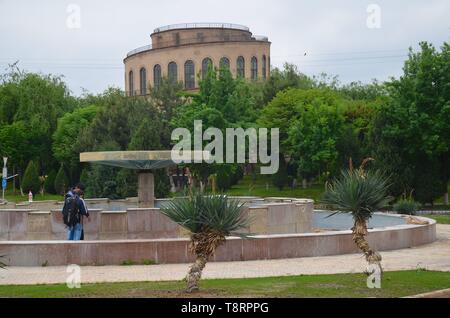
(138, 160)
(432, 257)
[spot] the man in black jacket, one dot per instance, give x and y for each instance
(74, 232)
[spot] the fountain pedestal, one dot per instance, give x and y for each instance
(146, 189)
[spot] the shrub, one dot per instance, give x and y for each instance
(162, 184)
(49, 183)
(30, 181)
(361, 194)
(406, 206)
(209, 219)
(61, 181)
(280, 178)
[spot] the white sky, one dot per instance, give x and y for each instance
(334, 34)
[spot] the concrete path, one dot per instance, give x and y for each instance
(435, 256)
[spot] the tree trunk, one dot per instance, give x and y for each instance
(14, 180)
(195, 273)
(359, 237)
(173, 188)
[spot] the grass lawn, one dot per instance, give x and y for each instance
(441, 200)
(10, 196)
(262, 187)
(394, 284)
(440, 219)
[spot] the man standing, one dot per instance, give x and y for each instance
(73, 212)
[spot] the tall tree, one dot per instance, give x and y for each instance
(65, 146)
(411, 132)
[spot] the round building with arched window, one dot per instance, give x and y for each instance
(183, 53)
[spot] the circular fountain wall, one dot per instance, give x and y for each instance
(32, 234)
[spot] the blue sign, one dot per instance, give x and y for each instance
(4, 183)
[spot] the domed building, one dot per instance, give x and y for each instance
(183, 53)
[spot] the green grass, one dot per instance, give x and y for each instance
(436, 207)
(11, 197)
(130, 262)
(394, 284)
(263, 187)
(440, 219)
(441, 199)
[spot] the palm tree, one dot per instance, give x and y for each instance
(361, 194)
(209, 219)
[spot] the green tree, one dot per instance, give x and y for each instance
(17, 143)
(280, 80)
(37, 101)
(30, 180)
(65, 137)
(146, 136)
(310, 122)
(313, 138)
(360, 91)
(231, 97)
(410, 134)
(288, 106)
(100, 180)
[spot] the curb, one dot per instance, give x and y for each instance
(445, 293)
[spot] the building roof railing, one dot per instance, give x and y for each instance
(202, 26)
(140, 49)
(261, 38)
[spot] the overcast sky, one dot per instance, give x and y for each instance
(335, 35)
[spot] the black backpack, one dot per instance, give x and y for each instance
(71, 213)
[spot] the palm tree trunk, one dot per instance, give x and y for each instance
(195, 273)
(359, 237)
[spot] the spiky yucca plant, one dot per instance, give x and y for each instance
(209, 219)
(361, 194)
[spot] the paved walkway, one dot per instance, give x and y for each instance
(435, 256)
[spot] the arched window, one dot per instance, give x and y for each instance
(205, 66)
(254, 68)
(189, 75)
(143, 81)
(240, 66)
(130, 84)
(264, 67)
(157, 76)
(173, 73)
(225, 63)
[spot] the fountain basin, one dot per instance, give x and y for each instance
(283, 228)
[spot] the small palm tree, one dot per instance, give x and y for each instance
(361, 194)
(209, 219)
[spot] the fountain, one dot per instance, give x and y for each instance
(32, 233)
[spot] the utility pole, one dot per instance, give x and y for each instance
(4, 176)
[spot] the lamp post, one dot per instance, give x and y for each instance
(4, 176)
